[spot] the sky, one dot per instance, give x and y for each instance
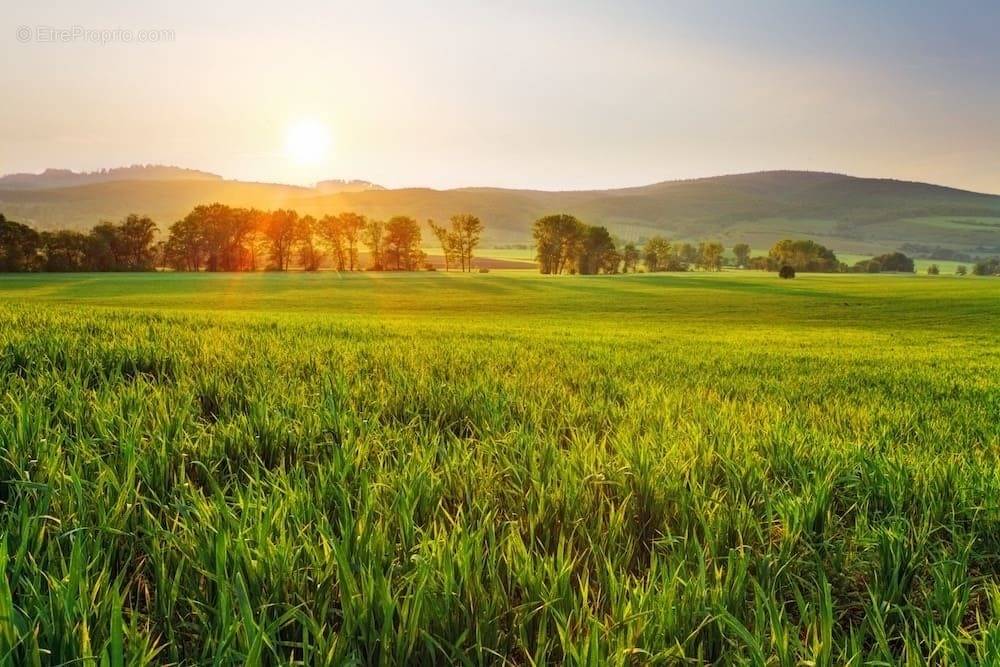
(546, 95)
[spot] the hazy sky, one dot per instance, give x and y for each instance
(548, 95)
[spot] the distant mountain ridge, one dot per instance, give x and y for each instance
(847, 213)
(56, 178)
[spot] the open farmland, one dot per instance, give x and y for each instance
(500, 468)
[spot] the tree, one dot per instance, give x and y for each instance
(787, 272)
(307, 237)
(960, 270)
(597, 252)
(742, 253)
(468, 229)
(331, 229)
(402, 244)
(19, 246)
(351, 226)
(710, 255)
(933, 270)
(371, 236)
(223, 234)
(558, 240)
(184, 248)
(137, 236)
(256, 242)
(450, 243)
(105, 247)
(804, 255)
(657, 254)
(64, 251)
(987, 267)
(894, 261)
(685, 254)
(281, 229)
(630, 258)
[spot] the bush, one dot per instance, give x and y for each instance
(960, 270)
(894, 262)
(787, 272)
(933, 270)
(987, 267)
(484, 270)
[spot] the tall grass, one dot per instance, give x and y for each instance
(427, 484)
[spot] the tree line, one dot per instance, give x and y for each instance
(216, 237)
(563, 244)
(129, 245)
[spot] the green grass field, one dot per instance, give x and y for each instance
(499, 469)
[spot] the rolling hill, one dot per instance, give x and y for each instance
(849, 214)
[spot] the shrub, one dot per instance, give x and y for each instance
(933, 270)
(787, 272)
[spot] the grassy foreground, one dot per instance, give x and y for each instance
(501, 468)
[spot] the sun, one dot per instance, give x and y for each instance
(307, 142)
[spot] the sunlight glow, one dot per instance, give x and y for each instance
(307, 142)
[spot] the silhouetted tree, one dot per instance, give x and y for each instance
(310, 254)
(19, 246)
(184, 249)
(351, 226)
(137, 236)
(331, 229)
(64, 251)
(402, 244)
(371, 236)
(282, 229)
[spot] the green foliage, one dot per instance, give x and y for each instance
(894, 261)
(564, 244)
(458, 243)
(803, 255)
(987, 267)
(498, 469)
(658, 255)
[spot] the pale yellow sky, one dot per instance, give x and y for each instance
(546, 95)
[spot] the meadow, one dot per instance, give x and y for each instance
(499, 468)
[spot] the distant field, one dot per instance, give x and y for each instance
(499, 468)
(947, 267)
